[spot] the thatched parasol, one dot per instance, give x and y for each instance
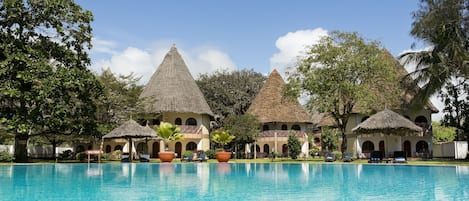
(131, 129)
(388, 122)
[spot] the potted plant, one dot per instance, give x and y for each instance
(168, 132)
(222, 137)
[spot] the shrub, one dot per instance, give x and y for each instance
(187, 153)
(338, 154)
(314, 151)
(294, 146)
(6, 156)
(66, 155)
(210, 153)
(81, 156)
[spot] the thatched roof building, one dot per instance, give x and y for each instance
(270, 105)
(387, 122)
(173, 89)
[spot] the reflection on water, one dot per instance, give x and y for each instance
(232, 181)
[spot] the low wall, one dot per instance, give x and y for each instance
(456, 150)
(37, 151)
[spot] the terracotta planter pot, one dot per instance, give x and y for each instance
(166, 157)
(223, 157)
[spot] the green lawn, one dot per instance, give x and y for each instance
(280, 160)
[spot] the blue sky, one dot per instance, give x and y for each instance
(134, 36)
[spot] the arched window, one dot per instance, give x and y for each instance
(266, 148)
(142, 148)
(178, 121)
(365, 118)
(296, 127)
(191, 146)
(421, 119)
(108, 148)
(265, 127)
(118, 147)
(368, 147)
(284, 127)
(191, 121)
(317, 140)
(407, 117)
(381, 146)
(421, 147)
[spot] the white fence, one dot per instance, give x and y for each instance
(456, 150)
(37, 151)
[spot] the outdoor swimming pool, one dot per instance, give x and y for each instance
(232, 181)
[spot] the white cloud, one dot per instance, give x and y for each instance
(144, 62)
(292, 45)
(103, 46)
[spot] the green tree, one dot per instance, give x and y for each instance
(120, 100)
(443, 133)
(342, 71)
(46, 88)
(294, 146)
(456, 108)
(329, 138)
(230, 93)
(244, 127)
(442, 25)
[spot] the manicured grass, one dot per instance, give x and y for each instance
(320, 160)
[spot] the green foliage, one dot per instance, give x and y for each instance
(187, 153)
(66, 155)
(294, 146)
(337, 154)
(330, 138)
(119, 101)
(443, 133)
(210, 153)
(45, 85)
(245, 127)
(456, 108)
(168, 132)
(314, 151)
(230, 93)
(342, 71)
(6, 156)
(222, 137)
(442, 25)
(81, 156)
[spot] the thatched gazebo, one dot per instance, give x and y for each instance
(388, 122)
(129, 130)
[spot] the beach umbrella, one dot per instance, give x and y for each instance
(129, 130)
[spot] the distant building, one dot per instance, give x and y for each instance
(278, 115)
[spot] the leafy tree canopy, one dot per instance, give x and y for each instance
(344, 71)
(230, 93)
(45, 85)
(244, 127)
(442, 25)
(443, 133)
(294, 146)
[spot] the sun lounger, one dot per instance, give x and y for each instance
(188, 158)
(144, 158)
(202, 157)
(125, 158)
(400, 157)
(330, 157)
(376, 157)
(348, 157)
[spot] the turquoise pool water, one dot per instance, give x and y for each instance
(204, 181)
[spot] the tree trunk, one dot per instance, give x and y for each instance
(54, 146)
(343, 145)
(21, 148)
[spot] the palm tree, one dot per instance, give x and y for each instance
(444, 25)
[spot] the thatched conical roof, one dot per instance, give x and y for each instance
(387, 122)
(131, 129)
(271, 106)
(172, 88)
